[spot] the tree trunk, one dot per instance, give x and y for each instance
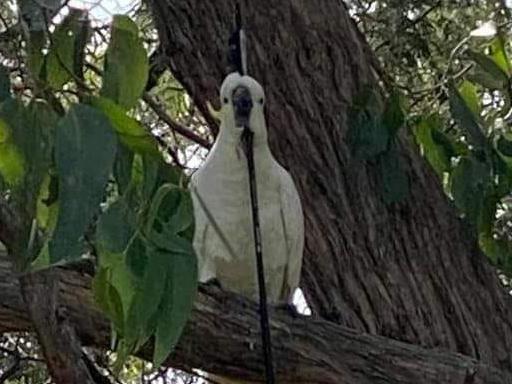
(222, 337)
(409, 271)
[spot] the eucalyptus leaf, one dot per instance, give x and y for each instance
(468, 92)
(131, 133)
(84, 154)
(5, 84)
(367, 136)
(12, 164)
(465, 118)
(470, 181)
(180, 292)
(116, 227)
(148, 297)
(504, 146)
(394, 185)
(108, 298)
(36, 13)
(60, 62)
(393, 117)
(36, 59)
(489, 66)
(126, 63)
(436, 146)
(123, 168)
(486, 80)
(499, 54)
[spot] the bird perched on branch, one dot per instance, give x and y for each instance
(224, 240)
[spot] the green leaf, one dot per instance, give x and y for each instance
(123, 168)
(393, 117)
(137, 257)
(147, 297)
(394, 181)
(150, 166)
(5, 132)
(12, 164)
(82, 35)
(35, 59)
(367, 136)
(108, 298)
(31, 131)
(60, 62)
(487, 215)
(171, 211)
(35, 15)
(434, 143)
(46, 210)
(126, 64)
(179, 296)
(486, 80)
(499, 251)
(116, 227)
(5, 85)
(171, 243)
(470, 181)
(467, 91)
(504, 146)
(120, 277)
(499, 55)
(489, 66)
(84, 154)
(37, 143)
(131, 133)
(465, 118)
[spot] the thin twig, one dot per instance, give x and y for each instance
(174, 125)
(163, 115)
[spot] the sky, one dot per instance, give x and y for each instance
(102, 10)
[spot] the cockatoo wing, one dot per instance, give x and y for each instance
(293, 222)
(206, 271)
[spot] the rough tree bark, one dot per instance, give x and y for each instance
(222, 337)
(408, 271)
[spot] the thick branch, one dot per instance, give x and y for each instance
(222, 337)
(409, 271)
(60, 346)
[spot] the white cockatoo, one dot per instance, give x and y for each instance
(223, 238)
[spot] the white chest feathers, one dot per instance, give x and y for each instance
(224, 240)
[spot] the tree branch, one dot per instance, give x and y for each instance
(61, 348)
(174, 125)
(163, 115)
(222, 337)
(9, 225)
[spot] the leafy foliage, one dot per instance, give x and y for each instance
(84, 155)
(476, 157)
(372, 136)
(89, 178)
(456, 84)
(126, 64)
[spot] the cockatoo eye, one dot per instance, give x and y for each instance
(261, 101)
(225, 100)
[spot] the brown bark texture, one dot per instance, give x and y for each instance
(409, 271)
(222, 337)
(56, 335)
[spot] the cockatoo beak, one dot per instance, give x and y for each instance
(242, 105)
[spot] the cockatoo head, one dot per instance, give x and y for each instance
(242, 100)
